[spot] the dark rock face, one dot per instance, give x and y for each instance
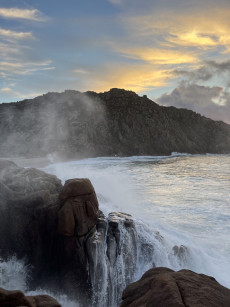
(46, 224)
(72, 247)
(28, 201)
(79, 213)
(164, 287)
(17, 298)
(76, 220)
(60, 231)
(118, 122)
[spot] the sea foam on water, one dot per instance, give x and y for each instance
(180, 208)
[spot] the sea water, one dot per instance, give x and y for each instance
(184, 198)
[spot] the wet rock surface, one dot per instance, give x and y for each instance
(164, 287)
(79, 212)
(76, 220)
(28, 202)
(62, 235)
(17, 298)
(72, 248)
(36, 216)
(111, 269)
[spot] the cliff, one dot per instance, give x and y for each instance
(118, 122)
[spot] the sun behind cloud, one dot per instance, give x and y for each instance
(145, 46)
(168, 41)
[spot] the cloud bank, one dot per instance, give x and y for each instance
(146, 46)
(212, 102)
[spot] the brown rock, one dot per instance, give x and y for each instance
(79, 213)
(31, 213)
(45, 301)
(76, 187)
(163, 287)
(13, 298)
(17, 298)
(28, 217)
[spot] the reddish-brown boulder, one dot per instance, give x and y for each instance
(163, 287)
(17, 298)
(79, 212)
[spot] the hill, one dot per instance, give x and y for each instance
(118, 122)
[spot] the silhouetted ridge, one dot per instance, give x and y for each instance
(118, 122)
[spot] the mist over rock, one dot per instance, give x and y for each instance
(118, 122)
(68, 246)
(63, 238)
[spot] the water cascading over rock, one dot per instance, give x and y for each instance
(61, 233)
(106, 247)
(112, 252)
(72, 248)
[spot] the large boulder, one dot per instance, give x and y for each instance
(17, 298)
(79, 212)
(46, 224)
(28, 213)
(76, 220)
(163, 287)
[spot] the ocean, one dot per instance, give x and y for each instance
(182, 198)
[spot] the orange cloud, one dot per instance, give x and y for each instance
(188, 29)
(160, 56)
(138, 78)
(157, 44)
(193, 38)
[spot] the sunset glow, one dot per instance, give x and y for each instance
(149, 48)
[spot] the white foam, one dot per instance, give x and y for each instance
(182, 198)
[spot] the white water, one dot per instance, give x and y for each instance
(185, 198)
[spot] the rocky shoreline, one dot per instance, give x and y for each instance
(72, 247)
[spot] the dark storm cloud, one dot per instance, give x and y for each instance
(212, 102)
(207, 71)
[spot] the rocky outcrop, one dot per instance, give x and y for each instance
(17, 298)
(76, 221)
(46, 224)
(64, 237)
(28, 202)
(118, 122)
(79, 212)
(73, 248)
(164, 287)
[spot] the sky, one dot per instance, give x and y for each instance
(177, 52)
